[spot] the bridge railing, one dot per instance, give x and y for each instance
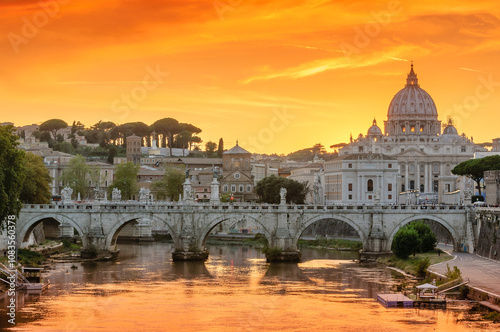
(173, 206)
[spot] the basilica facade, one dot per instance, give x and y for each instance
(411, 159)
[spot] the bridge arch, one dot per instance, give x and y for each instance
(27, 227)
(205, 231)
(439, 220)
(112, 235)
(315, 219)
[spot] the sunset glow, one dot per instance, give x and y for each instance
(278, 76)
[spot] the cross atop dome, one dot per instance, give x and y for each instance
(412, 79)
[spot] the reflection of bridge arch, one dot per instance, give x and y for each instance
(114, 231)
(27, 227)
(315, 219)
(439, 220)
(206, 230)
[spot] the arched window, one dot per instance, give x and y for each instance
(369, 185)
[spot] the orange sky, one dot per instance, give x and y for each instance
(288, 74)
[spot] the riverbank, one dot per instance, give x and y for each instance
(416, 266)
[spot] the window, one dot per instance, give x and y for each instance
(349, 186)
(435, 167)
(463, 149)
(422, 129)
(412, 129)
(389, 166)
(350, 196)
(249, 187)
(412, 184)
(403, 187)
(389, 187)
(447, 187)
(435, 185)
(422, 188)
(241, 188)
(360, 149)
(369, 196)
(233, 188)
(369, 185)
(349, 166)
(224, 188)
(237, 175)
(389, 197)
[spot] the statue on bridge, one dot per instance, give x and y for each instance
(66, 195)
(144, 195)
(283, 196)
(116, 195)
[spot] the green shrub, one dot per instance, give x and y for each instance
(421, 268)
(452, 274)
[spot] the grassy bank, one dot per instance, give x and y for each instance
(415, 265)
(331, 244)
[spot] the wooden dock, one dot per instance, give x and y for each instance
(395, 300)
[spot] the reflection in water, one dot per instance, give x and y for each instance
(235, 290)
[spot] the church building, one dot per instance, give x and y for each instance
(413, 156)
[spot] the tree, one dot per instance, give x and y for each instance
(475, 168)
(168, 127)
(53, 126)
(36, 186)
(269, 187)
(210, 148)
(405, 242)
(170, 186)
(426, 238)
(220, 149)
(412, 238)
(125, 180)
(12, 173)
(76, 174)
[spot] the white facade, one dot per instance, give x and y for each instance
(361, 179)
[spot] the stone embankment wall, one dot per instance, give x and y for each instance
(488, 238)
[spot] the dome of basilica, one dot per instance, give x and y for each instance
(412, 102)
(374, 130)
(450, 129)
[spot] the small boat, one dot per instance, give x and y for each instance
(33, 279)
(29, 279)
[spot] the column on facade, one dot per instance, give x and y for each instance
(381, 186)
(426, 177)
(359, 185)
(406, 175)
(417, 175)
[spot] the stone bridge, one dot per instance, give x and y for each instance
(189, 224)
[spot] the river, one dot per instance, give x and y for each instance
(235, 290)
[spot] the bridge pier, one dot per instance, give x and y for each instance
(189, 248)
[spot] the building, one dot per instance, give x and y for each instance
(363, 178)
(412, 135)
(237, 179)
(308, 174)
(134, 149)
(492, 190)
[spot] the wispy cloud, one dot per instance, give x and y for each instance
(468, 69)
